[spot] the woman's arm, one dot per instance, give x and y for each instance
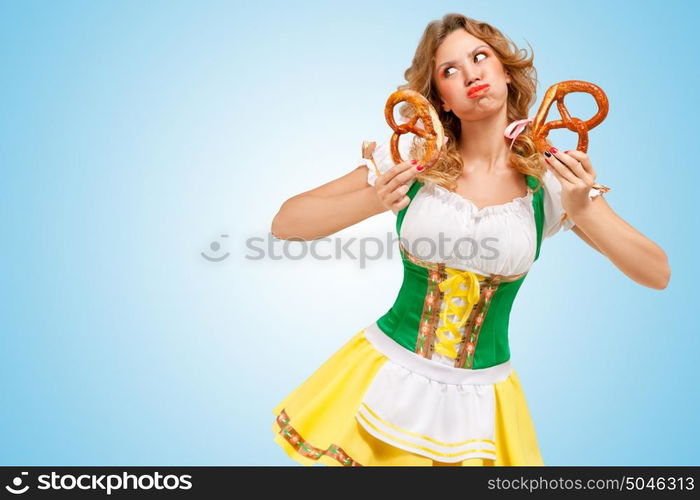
(632, 253)
(629, 250)
(328, 208)
(584, 237)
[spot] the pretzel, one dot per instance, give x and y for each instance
(432, 131)
(556, 92)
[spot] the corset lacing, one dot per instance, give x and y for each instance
(470, 296)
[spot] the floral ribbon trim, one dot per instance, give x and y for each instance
(307, 449)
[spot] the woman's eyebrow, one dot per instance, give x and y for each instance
(454, 62)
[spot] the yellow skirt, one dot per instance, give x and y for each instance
(316, 424)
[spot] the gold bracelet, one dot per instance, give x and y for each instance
(601, 188)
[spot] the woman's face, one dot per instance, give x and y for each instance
(463, 61)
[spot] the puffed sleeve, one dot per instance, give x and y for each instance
(382, 157)
(553, 210)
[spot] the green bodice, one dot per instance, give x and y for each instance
(413, 321)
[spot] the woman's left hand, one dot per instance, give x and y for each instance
(576, 175)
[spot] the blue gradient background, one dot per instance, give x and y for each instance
(135, 134)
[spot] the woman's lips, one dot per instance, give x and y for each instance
(478, 90)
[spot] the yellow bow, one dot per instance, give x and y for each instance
(470, 296)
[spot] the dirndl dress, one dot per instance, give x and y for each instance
(431, 381)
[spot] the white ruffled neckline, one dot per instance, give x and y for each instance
(459, 201)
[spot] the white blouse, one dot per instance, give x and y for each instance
(443, 226)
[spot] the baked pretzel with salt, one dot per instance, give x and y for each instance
(431, 132)
(556, 92)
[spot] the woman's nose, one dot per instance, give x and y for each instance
(471, 76)
(468, 82)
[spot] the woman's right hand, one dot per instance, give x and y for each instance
(391, 186)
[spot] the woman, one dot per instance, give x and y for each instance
(430, 382)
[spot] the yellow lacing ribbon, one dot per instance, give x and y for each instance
(470, 296)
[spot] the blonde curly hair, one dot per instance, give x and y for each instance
(521, 96)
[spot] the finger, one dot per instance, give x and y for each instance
(405, 177)
(573, 165)
(402, 203)
(391, 197)
(560, 168)
(584, 159)
(387, 176)
(556, 171)
(398, 193)
(408, 175)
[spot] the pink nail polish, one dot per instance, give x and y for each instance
(420, 167)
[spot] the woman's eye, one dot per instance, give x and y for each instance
(444, 73)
